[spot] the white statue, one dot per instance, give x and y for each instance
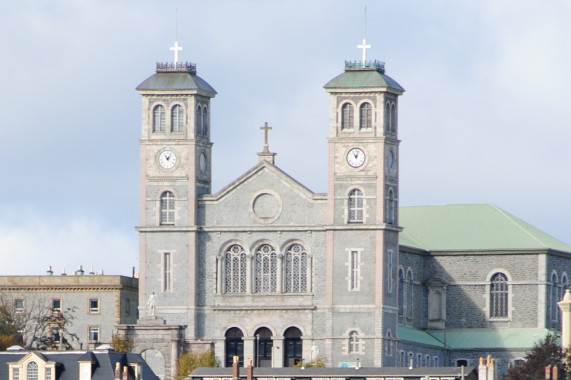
(314, 351)
(152, 304)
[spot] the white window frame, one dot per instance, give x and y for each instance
(91, 331)
(166, 270)
(354, 269)
(94, 310)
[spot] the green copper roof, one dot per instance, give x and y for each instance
(367, 77)
(175, 77)
(476, 339)
(467, 227)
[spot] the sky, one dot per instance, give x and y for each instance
(484, 119)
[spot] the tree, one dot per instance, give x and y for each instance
(9, 329)
(317, 363)
(546, 353)
(121, 343)
(189, 361)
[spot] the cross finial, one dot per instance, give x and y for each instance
(176, 49)
(364, 45)
(266, 128)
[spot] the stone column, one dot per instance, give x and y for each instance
(174, 356)
(565, 306)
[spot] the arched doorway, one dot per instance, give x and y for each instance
(263, 349)
(234, 346)
(293, 347)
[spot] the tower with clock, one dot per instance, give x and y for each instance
(175, 162)
(362, 241)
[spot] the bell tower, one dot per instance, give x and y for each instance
(175, 169)
(362, 238)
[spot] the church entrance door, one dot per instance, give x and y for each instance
(234, 347)
(293, 347)
(263, 347)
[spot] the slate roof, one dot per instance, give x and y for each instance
(347, 373)
(471, 227)
(68, 366)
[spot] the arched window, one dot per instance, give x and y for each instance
(366, 115)
(419, 360)
(199, 120)
(409, 293)
(391, 208)
(427, 363)
(554, 298)
(296, 269)
(353, 342)
(167, 208)
(235, 269)
(401, 297)
(177, 118)
(393, 118)
(402, 359)
(32, 371)
(436, 361)
(499, 296)
(355, 206)
(387, 117)
(159, 118)
(234, 346)
(266, 268)
(347, 116)
(204, 121)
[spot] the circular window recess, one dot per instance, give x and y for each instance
(265, 206)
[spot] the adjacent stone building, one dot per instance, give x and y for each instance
(95, 303)
(269, 270)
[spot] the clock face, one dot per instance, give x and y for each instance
(391, 160)
(202, 162)
(167, 159)
(355, 157)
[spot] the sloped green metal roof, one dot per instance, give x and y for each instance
(466, 227)
(476, 339)
(365, 78)
(417, 336)
(175, 81)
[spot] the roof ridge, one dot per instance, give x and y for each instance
(518, 225)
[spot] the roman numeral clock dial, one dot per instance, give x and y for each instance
(355, 157)
(167, 159)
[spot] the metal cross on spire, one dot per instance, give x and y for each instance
(176, 49)
(364, 45)
(266, 128)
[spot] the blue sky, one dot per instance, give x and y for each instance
(485, 118)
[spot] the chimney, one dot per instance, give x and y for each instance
(235, 369)
(250, 370)
(125, 373)
(117, 371)
(79, 271)
(50, 271)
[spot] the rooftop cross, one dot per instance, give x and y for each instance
(364, 45)
(266, 128)
(176, 49)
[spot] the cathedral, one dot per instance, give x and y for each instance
(267, 270)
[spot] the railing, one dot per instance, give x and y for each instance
(367, 65)
(179, 67)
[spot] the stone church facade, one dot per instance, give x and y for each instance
(268, 270)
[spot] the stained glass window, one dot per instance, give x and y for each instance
(296, 269)
(266, 268)
(499, 296)
(235, 270)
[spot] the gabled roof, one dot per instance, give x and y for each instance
(470, 227)
(253, 172)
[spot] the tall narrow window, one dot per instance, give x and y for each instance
(353, 342)
(204, 121)
(167, 272)
(48, 374)
(167, 208)
(554, 294)
(296, 269)
(177, 118)
(366, 115)
(390, 271)
(235, 270)
(387, 117)
(355, 206)
(499, 296)
(393, 118)
(391, 208)
(347, 116)
(354, 273)
(32, 371)
(266, 261)
(401, 297)
(159, 118)
(409, 293)
(389, 343)
(199, 120)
